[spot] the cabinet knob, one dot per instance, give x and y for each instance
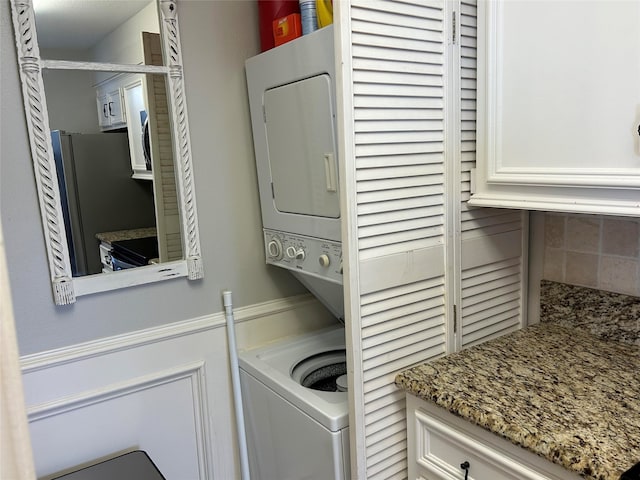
(465, 466)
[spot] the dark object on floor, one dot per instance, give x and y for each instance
(131, 466)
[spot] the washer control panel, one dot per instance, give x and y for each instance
(313, 256)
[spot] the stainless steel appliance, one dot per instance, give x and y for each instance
(97, 193)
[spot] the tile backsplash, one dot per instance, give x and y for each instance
(593, 251)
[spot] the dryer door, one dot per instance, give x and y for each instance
(299, 123)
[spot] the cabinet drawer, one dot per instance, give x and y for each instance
(441, 450)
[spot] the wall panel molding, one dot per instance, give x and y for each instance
(192, 376)
(165, 390)
(50, 358)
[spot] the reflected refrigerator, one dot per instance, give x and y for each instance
(97, 193)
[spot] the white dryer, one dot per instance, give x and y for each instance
(295, 431)
(293, 117)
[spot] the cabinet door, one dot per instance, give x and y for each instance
(110, 112)
(559, 106)
(136, 112)
(114, 108)
(104, 121)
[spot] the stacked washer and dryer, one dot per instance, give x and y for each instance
(294, 390)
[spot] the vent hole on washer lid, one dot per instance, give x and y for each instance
(323, 371)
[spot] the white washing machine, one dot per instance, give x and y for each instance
(295, 431)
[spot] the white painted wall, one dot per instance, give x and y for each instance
(124, 44)
(226, 192)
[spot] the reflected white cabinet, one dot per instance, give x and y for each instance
(442, 446)
(109, 103)
(559, 106)
(122, 103)
(133, 92)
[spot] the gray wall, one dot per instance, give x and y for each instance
(216, 38)
(71, 100)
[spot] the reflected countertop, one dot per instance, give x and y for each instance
(131, 234)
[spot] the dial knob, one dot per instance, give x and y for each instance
(324, 260)
(274, 248)
(297, 253)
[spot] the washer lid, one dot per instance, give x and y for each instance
(272, 366)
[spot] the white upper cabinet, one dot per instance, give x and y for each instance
(109, 103)
(133, 92)
(559, 106)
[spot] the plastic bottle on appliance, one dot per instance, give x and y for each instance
(324, 11)
(308, 16)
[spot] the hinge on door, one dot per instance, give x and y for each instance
(273, 192)
(455, 318)
(453, 28)
(264, 114)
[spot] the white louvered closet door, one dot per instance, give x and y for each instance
(394, 82)
(415, 252)
(493, 242)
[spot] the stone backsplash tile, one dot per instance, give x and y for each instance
(583, 234)
(554, 228)
(618, 274)
(620, 237)
(581, 269)
(593, 251)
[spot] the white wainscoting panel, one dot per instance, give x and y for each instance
(164, 390)
(164, 414)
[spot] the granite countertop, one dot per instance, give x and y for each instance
(130, 234)
(564, 393)
(611, 316)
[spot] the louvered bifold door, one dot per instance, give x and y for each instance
(492, 241)
(397, 71)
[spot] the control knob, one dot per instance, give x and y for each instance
(297, 253)
(274, 248)
(324, 260)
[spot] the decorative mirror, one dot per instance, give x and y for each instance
(109, 138)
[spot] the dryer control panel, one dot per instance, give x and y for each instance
(312, 256)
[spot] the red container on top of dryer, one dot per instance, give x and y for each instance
(270, 10)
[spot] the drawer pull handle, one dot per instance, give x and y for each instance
(465, 466)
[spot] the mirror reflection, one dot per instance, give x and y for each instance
(129, 90)
(94, 30)
(116, 178)
(110, 134)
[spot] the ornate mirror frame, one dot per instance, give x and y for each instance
(65, 287)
